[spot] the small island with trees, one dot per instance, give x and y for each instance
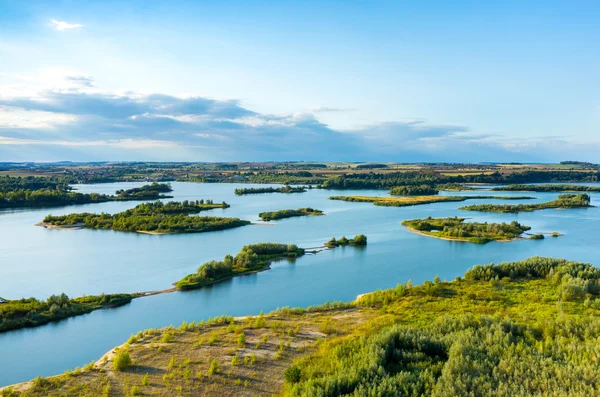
(564, 201)
(260, 190)
(457, 229)
(357, 241)
(154, 218)
(281, 214)
(409, 190)
(252, 258)
(146, 192)
(385, 201)
(552, 188)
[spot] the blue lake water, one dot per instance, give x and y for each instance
(39, 262)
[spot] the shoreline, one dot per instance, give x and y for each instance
(411, 230)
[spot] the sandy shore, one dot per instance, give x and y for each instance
(45, 225)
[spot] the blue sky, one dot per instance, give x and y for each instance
(323, 80)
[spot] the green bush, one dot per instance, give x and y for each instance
(122, 360)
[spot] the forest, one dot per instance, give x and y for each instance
(259, 190)
(457, 229)
(564, 201)
(252, 257)
(418, 190)
(281, 214)
(30, 312)
(146, 192)
(157, 217)
(547, 188)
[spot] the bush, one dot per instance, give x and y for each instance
(292, 374)
(122, 361)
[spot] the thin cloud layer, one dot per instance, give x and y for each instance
(82, 123)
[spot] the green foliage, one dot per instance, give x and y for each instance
(419, 190)
(285, 189)
(213, 368)
(172, 217)
(418, 200)
(563, 201)
(146, 192)
(457, 229)
(122, 360)
(269, 216)
(30, 312)
(292, 374)
(251, 257)
(359, 240)
(537, 236)
(547, 188)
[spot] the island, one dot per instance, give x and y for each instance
(146, 192)
(459, 230)
(252, 258)
(519, 324)
(152, 218)
(419, 200)
(547, 188)
(454, 186)
(360, 240)
(30, 312)
(260, 190)
(281, 214)
(564, 201)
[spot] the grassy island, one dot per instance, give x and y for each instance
(453, 186)
(528, 328)
(259, 190)
(251, 258)
(420, 190)
(547, 188)
(563, 201)
(281, 214)
(419, 200)
(22, 313)
(458, 229)
(359, 240)
(156, 217)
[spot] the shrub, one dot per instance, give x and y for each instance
(213, 368)
(292, 374)
(122, 361)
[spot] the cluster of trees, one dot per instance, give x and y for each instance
(454, 186)
(32, 312)
(358, 240)
(252, 257)
(548, 188)
(286, 177)
(388, 180)
(563, 201)
(54, 191)
(158, 217)
(281, 214)
(464, 353)
(418, 200)
(146, 192)
(285, 189)
(418, 190)
(457, 228)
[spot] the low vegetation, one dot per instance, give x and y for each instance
(359, 240)
(146, 192)
(30, 312)
(526, 328)
(259, 190)
(156, 217)
(281, 214)
(563, 201)
(458, 229)
(547, 188)
(251, 258)
(419, 190)
(453, 186)
(418, 200)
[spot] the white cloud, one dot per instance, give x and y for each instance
(62, 25)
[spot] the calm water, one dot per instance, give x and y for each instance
(38, 262)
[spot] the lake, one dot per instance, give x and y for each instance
(39, 262)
